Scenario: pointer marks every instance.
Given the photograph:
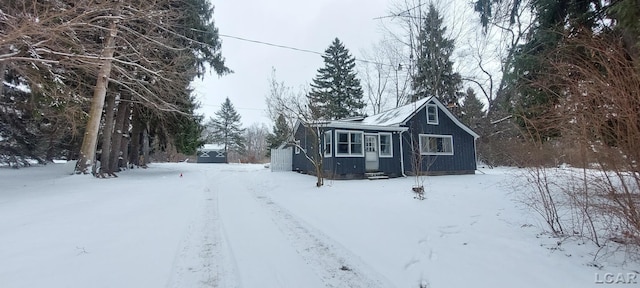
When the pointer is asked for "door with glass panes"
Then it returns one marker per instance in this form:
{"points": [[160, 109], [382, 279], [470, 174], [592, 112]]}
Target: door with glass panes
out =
{"points": [[371, 153]]}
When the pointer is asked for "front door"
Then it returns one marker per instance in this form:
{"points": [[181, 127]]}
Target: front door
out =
{"points": [[371, 153]]}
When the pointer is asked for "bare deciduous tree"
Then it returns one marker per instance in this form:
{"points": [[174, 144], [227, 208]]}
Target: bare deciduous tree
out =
{"points": [[593, 124], [256, 143]]}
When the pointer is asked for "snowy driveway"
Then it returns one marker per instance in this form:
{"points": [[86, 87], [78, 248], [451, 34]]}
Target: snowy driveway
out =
{"points": [[243, 226], [272, 248]]}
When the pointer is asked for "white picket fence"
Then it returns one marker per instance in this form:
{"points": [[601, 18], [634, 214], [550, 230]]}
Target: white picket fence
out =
{"points": [[281, 159]]}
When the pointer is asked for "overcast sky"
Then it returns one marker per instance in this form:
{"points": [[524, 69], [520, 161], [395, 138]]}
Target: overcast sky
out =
{"points": [[310, 25]]}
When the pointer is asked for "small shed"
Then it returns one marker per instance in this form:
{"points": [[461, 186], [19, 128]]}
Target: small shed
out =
{"points": [[211, 153]]}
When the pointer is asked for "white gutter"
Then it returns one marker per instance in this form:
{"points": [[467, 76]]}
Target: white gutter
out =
{"points": [[401, 154]]}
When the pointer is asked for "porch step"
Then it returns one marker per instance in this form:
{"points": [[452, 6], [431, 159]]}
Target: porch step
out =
{"points": [[375, 175]]}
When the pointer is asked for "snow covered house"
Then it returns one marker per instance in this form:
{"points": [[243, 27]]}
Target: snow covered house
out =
{"points": [[211, 153], [422, 137]]}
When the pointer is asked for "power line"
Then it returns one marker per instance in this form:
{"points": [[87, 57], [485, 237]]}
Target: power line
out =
{"points": [[403, 13], [269, 44], [239, 108], [294, 48]]}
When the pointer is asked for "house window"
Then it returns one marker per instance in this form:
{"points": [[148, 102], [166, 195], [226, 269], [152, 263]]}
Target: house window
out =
{"points": [[297, 146], [436, 144], [349, 143], [432, 113], [386, 150], [327, 144]]}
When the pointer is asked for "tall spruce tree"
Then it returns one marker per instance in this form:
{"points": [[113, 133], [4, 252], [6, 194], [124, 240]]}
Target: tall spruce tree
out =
{"points": [[336, 93], [225, 128], [281, 132], [472, 109], [434, 75]]}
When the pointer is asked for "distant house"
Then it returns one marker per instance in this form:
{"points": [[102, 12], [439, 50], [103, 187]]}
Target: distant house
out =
{"points": [[419, 138], [211, 153]]}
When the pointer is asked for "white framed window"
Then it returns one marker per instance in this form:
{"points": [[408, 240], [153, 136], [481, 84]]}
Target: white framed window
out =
{"points": [[349, 143], [432, 113], [386, 146], [436, 144], [297, 148], [327, 144]]}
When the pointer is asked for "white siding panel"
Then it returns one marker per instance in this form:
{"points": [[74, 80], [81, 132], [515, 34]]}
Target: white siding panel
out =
{"points": [[281, 159]]}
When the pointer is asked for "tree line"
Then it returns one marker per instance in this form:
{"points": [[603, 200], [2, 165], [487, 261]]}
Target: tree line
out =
{"points": [[81, 77]]}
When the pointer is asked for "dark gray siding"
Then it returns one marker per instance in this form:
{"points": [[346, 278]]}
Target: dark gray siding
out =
{"points": [[345, 167], [463, 159], [212, 156], [354, 167], [300, 162], [391, 166]]}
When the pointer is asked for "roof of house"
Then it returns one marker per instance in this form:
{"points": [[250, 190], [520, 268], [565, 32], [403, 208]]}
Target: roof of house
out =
{"points": [[400, 116], [206, 147], [391, 120], [396, 116]]}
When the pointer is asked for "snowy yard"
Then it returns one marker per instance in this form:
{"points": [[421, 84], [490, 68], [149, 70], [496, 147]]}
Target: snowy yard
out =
{"points": [[243, 226]]}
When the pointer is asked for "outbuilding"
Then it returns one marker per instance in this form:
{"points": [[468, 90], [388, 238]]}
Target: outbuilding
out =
{"points": [[211, 153]]}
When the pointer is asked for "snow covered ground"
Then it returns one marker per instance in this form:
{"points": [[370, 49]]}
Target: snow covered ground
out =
{"points": [[244, 226]]}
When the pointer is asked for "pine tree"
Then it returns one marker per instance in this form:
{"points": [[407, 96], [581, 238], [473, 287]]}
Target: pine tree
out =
{"points": [[435, 76], [336, 93], [281, 132], [472, 109], [225, 128]]}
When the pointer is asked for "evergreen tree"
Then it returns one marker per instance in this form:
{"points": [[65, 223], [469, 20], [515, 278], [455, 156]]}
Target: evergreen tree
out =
{"points": [[225, 128], [434, 75], [472, 109], [336, 93], [281, 132]]}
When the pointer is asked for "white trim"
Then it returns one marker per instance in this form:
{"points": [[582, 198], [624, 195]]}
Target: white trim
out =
{"points": [[390, 145], [401, 154], [327, 154], [204, 154], [357, 126], [297, 146], [420, 136], [349, 132], [435, 106]]}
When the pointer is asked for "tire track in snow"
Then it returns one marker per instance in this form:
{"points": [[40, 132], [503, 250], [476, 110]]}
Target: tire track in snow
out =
{"points": [[333, 263], [204, 258]]}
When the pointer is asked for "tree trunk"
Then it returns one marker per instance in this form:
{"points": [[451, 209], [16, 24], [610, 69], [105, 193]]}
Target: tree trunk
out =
{"points": [[119, 130], [51, 144], [124, 146], [145, 145], [134, 153], [88, 150], [3, 66], [107, 132]]}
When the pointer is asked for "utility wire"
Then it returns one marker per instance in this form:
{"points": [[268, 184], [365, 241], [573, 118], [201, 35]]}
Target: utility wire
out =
{"points": [[269, 44], [402, 13], [294, 48]]}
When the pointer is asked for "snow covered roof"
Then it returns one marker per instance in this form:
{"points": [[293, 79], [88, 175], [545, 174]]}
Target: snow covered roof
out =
{"points": [[400, 115], [395, 116], [391, 120], [351, 124], [212, 147]]}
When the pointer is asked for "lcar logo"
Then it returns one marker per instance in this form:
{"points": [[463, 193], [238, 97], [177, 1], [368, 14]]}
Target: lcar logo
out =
{"points": [[617, 278]]}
